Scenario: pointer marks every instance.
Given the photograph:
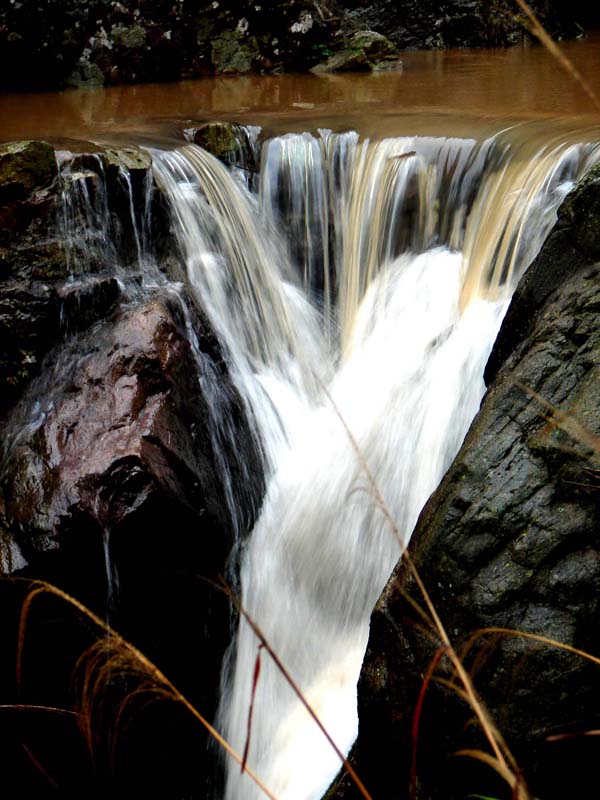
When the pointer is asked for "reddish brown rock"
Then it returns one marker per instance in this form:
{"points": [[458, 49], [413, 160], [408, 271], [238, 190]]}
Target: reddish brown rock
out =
{"points": [[133, 438]]}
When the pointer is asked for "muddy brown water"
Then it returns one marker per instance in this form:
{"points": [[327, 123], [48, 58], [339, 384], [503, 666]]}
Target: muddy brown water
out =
{"points": [[453, 92]]}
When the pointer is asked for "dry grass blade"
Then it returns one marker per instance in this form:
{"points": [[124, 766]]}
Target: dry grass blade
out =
{"points": [[495, 739], [33, 707], [486, 758], [41, 769], [255, 678], [453, 687], [560, 737], [297, 691], [124, 654], [25, 608], [538, 30], [510, 632], [417, 718], [565, 420]]}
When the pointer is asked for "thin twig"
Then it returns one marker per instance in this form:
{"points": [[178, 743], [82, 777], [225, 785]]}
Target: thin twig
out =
{"points": [[38, 765], [540, 32], [251, 708]]}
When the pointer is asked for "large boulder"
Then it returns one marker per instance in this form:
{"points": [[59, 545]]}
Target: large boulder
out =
{"points": [[509, 540], [129, 473]]}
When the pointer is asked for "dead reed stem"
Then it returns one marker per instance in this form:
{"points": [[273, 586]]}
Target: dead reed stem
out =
{"points": [[538, 30], [145, 665]]}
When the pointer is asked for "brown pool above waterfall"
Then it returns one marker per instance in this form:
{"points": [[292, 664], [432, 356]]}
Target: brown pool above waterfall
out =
{"points": [[453, 92]]}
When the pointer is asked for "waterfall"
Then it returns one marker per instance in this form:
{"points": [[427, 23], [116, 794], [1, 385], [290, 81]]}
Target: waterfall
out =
{"points": [[356, 288], [364, 282]]}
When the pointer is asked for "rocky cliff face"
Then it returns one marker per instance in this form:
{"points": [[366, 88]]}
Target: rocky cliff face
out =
{"points": [[98, 42], [128, 472], [509, 540]]}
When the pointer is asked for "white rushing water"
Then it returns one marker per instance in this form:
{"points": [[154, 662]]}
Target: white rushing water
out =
{"points": [[364, 282]]}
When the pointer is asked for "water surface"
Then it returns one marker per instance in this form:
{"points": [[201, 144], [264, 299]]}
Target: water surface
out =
{"points": [[451, 91]]}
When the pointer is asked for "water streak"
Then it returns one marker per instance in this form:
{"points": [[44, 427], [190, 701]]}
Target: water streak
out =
{"points": [[381, 271]]}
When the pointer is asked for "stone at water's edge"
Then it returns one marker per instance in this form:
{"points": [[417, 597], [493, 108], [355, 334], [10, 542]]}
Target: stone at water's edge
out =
{"points": [[100, 42], [119, 429], [227, 141], [510, 539], [366, 50]]}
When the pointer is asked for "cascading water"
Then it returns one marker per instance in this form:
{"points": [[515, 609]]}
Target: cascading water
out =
{"points": [[356, 288], [365, 282]]}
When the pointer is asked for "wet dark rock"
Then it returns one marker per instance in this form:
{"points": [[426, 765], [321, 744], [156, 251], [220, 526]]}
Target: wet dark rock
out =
{"points": [[510, 539], [38, 264], [128, 470], [227, 141], [28, 175], [85, 302], [24, 168], [119, 396], [119, 444]]}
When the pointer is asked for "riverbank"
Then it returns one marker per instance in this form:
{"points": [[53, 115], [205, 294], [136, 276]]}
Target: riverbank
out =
{"points": [[106, 42]]}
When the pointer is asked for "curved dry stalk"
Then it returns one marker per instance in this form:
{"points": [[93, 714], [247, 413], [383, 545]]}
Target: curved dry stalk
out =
{"points": [[486, 758], [132, 655], [25, 608], [40, 767], [35, 707], [255, 678], [560, 737], [565, 420], [538, 30], [510, 632], [495, 739]]}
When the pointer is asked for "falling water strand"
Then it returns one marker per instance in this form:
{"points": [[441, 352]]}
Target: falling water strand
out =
{"points": [[420, 242]]}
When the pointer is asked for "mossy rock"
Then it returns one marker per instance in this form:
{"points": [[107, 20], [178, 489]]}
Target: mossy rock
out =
{"points": [[232, 53], [24, 168], [132, 159], [365, 51], [86, 74], [222, 139], [130, 36]]}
